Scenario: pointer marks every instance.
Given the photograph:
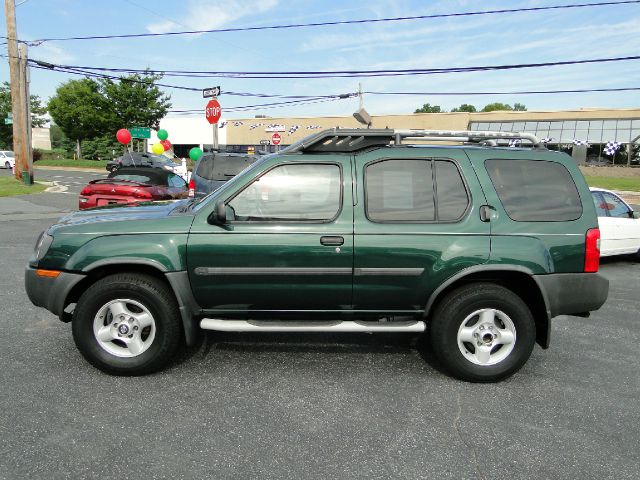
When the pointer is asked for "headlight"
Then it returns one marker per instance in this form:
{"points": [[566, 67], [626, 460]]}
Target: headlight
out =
{"points": [[42, 245]]}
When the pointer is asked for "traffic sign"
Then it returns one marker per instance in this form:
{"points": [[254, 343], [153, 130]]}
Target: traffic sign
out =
{"points": [[211, 92], [264, 142], [8, 121], [276, 139], [140, 132], [213, 111]]}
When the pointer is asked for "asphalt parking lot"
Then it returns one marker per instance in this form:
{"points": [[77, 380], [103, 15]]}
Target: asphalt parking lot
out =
{"points": [[324, 406]]}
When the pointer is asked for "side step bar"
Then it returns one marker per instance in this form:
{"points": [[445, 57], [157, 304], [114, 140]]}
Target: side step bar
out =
{"points": [[346, 326]]}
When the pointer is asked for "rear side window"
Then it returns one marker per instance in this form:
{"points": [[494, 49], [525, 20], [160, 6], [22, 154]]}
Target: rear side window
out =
{"points": [[615, 206], [403, 191], [535, 190], [205, 168], [451, 195], [221, 167], [133, 178]]}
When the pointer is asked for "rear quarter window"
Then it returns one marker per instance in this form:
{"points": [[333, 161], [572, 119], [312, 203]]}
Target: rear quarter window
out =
{"points": [[535, 190]]}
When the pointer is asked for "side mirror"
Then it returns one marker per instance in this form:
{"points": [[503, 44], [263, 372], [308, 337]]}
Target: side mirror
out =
{"points": [[219, 214], [634, 214]]}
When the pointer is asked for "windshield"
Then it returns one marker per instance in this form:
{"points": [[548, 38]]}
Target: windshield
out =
{"points": [[10, 154], [238, 178]]}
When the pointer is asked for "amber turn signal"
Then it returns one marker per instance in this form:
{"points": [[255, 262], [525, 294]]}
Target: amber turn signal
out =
{"points": [[47, 273]]}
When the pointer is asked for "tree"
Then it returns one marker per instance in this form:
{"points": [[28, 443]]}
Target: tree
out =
{"points": [[80, 110], [135, 101], [428, 108], [94, 110], [492, 107], [6, 131], [465, 107]]}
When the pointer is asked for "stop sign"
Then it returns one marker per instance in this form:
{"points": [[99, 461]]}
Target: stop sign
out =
{"points": [[213, 111], [275, 139]]}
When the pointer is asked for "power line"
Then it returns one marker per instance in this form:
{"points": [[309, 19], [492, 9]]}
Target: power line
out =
{"points": [[350, 73], [270, 105], [521, 92], [74, 71], [336, 23]]}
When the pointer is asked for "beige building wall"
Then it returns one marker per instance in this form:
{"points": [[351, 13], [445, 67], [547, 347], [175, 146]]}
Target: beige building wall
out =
{"points": [[251, 131]]}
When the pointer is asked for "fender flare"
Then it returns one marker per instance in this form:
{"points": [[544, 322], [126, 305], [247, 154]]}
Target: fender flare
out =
{"points": [[543, 330]]}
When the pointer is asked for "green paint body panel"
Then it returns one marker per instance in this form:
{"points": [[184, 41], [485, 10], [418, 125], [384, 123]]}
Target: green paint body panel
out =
{"points": [[145, 232], [267, 245], [544, 247], [246, 268], [440, 249]]}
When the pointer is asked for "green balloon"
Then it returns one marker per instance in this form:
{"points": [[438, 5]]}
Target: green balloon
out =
{"points": [[195, 153], [163, 134]]}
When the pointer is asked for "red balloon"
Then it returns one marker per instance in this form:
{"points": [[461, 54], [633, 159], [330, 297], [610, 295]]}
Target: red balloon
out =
{"points": [[123, 136], [166, 144]]}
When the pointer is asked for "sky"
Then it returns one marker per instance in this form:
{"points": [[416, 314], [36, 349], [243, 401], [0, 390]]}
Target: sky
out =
{"points": [[531, 37]]}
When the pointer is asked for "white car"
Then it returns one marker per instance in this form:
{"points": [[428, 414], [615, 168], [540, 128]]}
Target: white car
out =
{"points": [[619, 224], [7, 159]]}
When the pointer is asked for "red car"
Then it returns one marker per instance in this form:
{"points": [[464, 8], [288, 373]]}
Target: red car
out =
{"points": [[130, 185]]}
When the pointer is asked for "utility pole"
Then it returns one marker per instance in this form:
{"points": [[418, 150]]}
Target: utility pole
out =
{"points": [[18, 76]]}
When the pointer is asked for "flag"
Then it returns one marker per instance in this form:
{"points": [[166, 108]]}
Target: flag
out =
{"points": [[611, 148]]}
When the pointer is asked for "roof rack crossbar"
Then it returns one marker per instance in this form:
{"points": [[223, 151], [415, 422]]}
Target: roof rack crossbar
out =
{"points": [[351, 140]]}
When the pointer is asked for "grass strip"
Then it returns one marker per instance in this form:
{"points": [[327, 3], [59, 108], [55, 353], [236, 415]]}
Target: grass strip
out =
{"points": [[9, 187]]}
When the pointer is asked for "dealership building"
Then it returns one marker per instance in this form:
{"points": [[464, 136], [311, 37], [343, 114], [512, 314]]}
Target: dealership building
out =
{"points": [[583, 133]]}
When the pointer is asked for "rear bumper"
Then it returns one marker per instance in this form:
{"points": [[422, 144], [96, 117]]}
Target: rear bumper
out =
{"points": [[50, 293], [573, 293]]}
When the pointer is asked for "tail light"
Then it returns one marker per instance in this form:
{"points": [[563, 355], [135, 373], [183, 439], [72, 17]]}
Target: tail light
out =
{"points": [[192, 188], [142, 194], [86, 190], [592, 250]]}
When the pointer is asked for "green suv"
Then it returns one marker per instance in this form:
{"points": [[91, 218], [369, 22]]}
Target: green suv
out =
{"points": [[474, 244]]}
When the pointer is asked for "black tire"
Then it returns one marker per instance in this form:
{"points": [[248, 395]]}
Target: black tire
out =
{"points": [[114, 168], [7, 165], [449, 316], [152, 294]]}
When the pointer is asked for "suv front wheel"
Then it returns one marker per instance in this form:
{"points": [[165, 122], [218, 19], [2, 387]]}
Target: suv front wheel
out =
{"points": [[127, 324], [482, 332]]}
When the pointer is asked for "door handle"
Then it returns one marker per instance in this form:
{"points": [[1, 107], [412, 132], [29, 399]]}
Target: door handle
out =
{"points": [[332, 241], [487, 212]]}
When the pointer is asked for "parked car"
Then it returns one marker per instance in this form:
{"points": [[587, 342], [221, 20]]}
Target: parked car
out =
{"points": [[619, 224], [131, 185], [214, 170], [476, 247], [7, 159], [137, 159]]}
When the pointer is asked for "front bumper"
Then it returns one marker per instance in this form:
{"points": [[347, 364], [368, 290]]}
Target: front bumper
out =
{"points": [[573, 293], [50, 293]]}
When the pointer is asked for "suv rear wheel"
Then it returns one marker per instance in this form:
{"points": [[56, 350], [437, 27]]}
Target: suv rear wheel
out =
{"points": [[482, 332], [127, 324]]}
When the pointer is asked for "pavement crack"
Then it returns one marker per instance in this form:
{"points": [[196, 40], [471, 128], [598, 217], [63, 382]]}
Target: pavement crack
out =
{"points": [[456, 426]]}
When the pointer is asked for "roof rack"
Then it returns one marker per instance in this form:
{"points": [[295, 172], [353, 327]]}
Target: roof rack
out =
{"points": [[354, 139]]}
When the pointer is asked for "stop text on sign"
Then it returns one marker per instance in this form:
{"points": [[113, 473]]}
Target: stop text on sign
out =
{"points": [[213, 111]]}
